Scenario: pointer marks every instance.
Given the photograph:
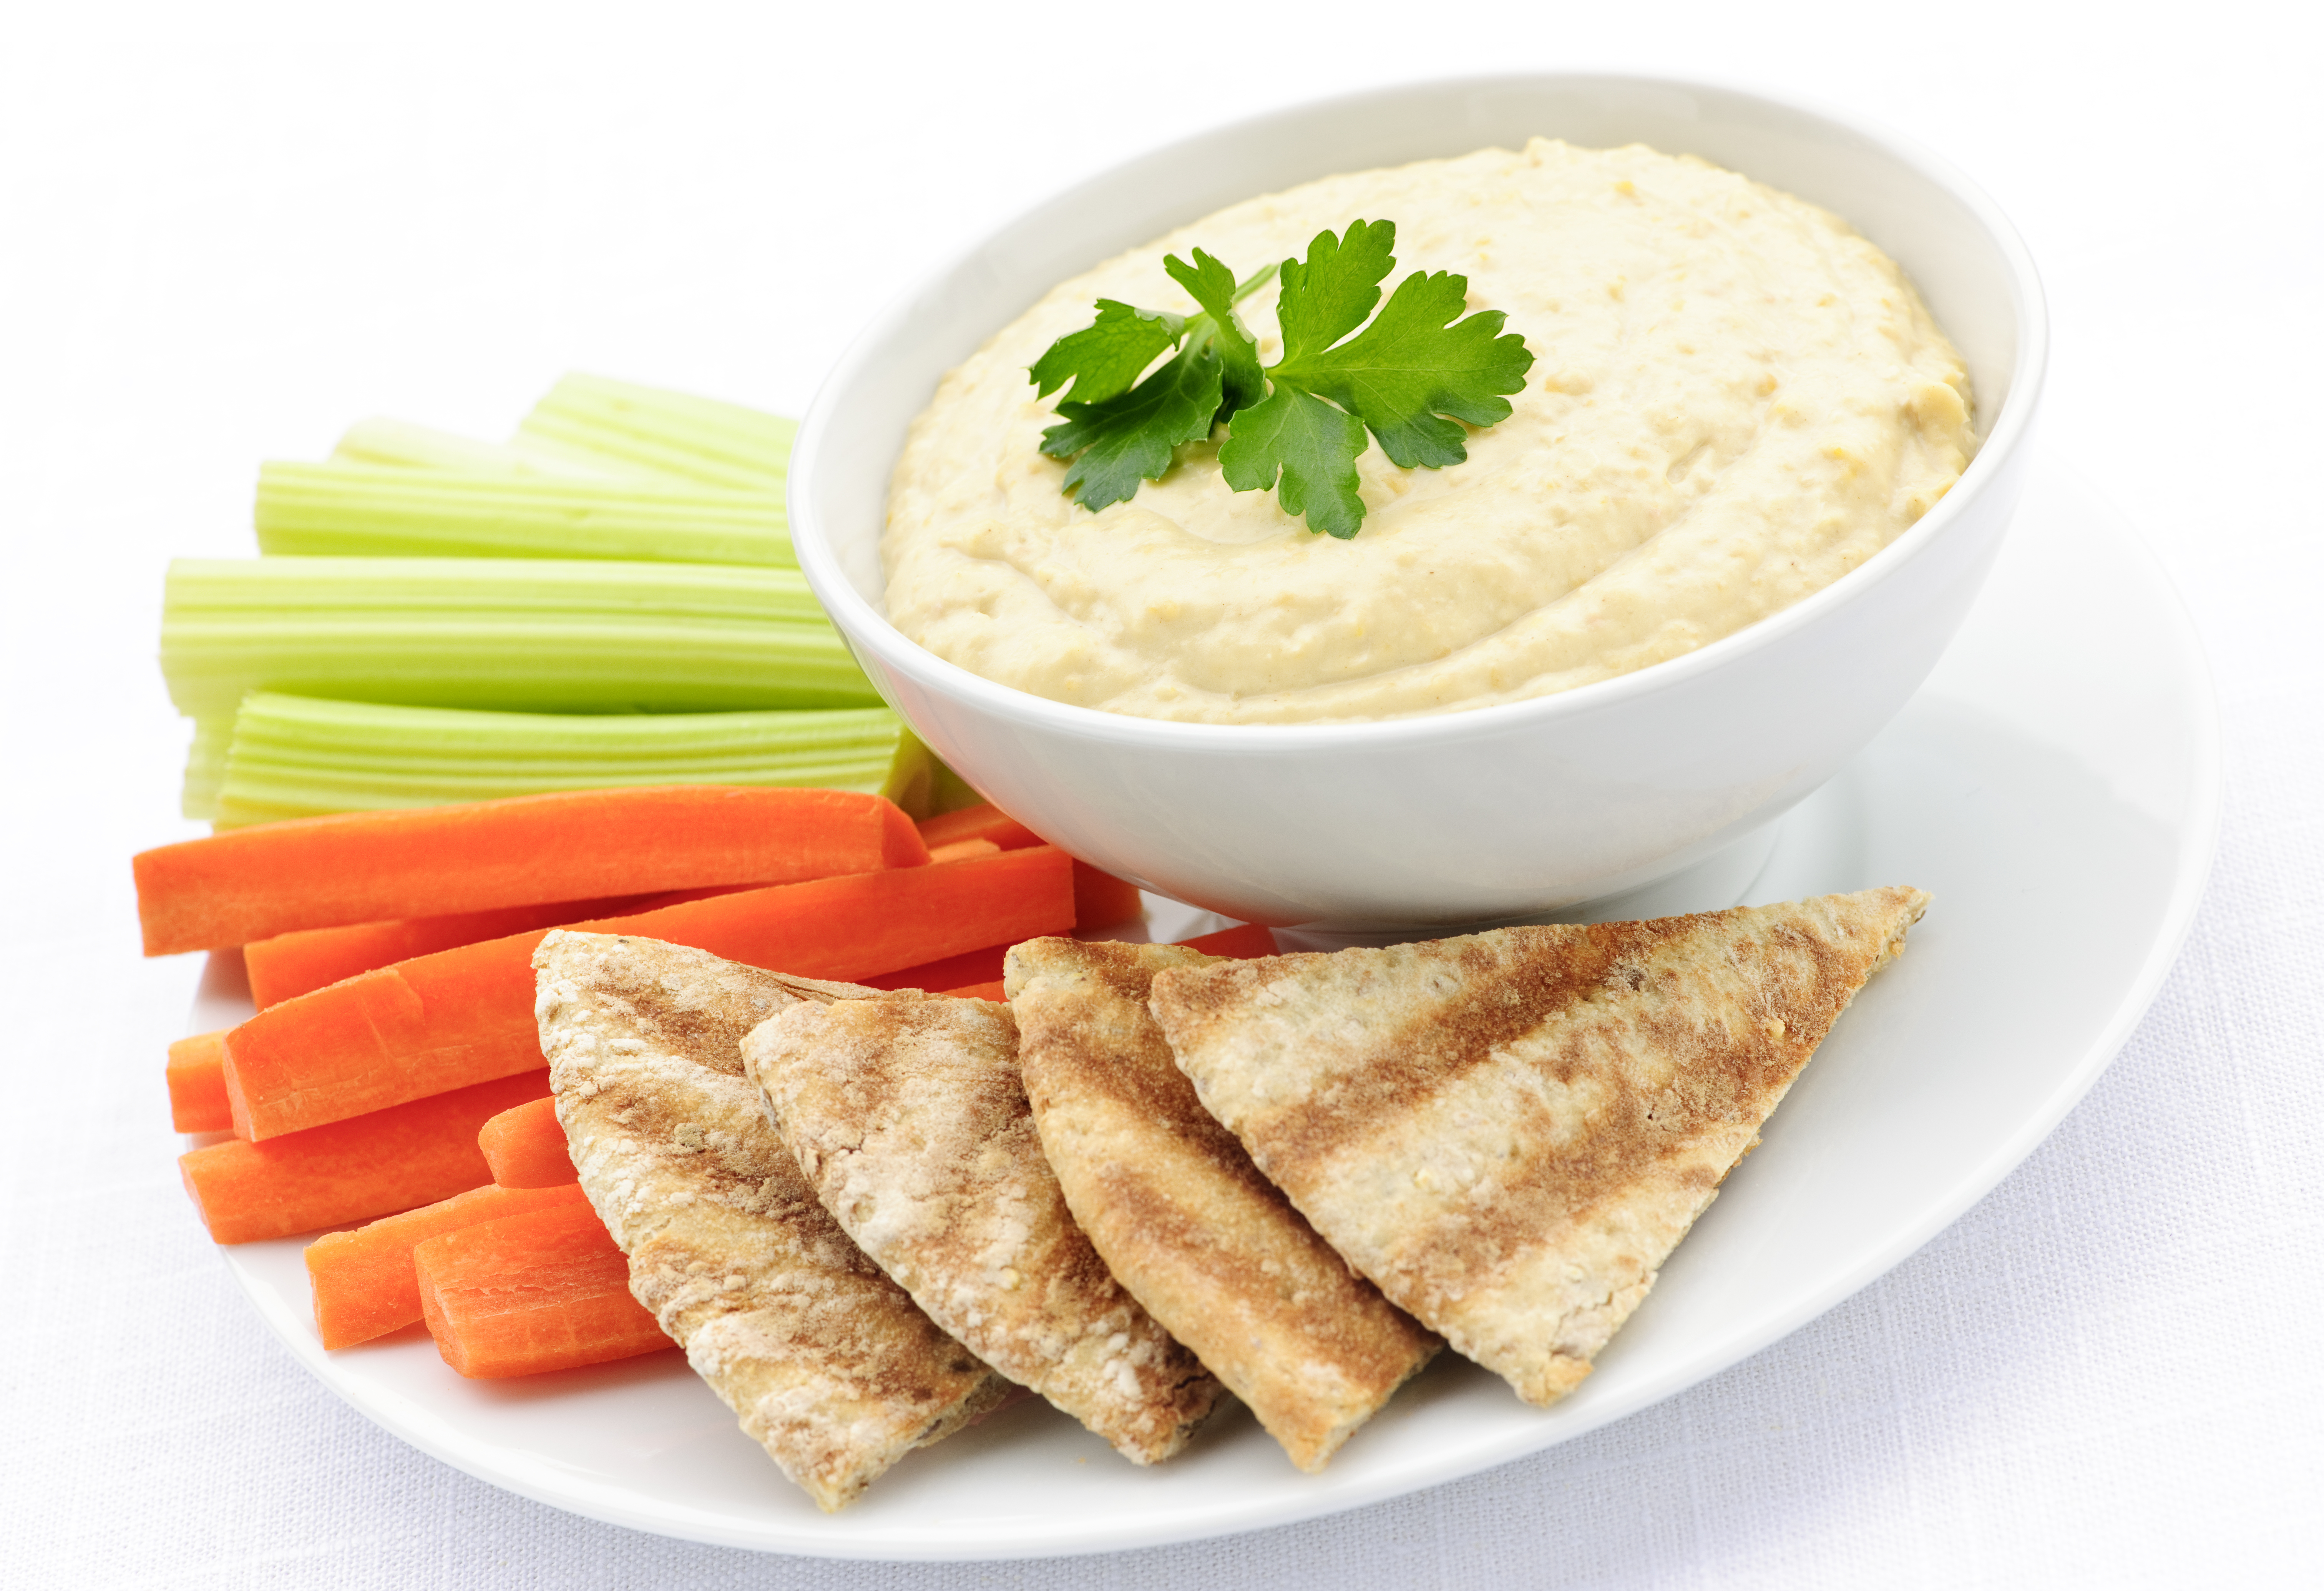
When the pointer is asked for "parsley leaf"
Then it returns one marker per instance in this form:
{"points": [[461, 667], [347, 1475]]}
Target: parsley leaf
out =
{"points": [[1212, 286], [1116, 434], [1313, 444], [1103, 359], [1412, 365], [1328, 297], [1298, 426], [1132, 436]]}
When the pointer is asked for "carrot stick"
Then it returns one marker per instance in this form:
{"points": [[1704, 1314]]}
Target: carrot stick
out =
{"points": [[364, 1281], [307, 959], [954, 850], [1101, 900], [273, 878], [849, 929], [196, 1072], [350, 1170], [460, 1016], [545, 1291], [995, 990], [294, 964], [526, 1147], [981, 822], [971, 966], [1241, 942]]}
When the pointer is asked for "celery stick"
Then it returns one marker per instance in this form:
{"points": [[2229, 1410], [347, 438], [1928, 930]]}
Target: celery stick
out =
{"points": [[406, 446], [372, 510], [947, 791], [298, 756], [205, 765], [589, 418], [518, 635]]}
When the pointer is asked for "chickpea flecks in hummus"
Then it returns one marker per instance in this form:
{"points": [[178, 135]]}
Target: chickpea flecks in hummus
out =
{"points": [[1735, 400]]}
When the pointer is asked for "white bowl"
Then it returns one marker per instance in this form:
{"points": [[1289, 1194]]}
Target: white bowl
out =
{"points": [[1498, 813]]}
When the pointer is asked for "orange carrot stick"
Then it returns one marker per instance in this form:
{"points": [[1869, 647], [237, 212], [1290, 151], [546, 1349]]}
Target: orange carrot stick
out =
{"points": [[273, 878], [196, 1073], [953, 851], [307, 959], [364, 1281], [1241, 942], [981, 822], [849, 929], [547, 1291], [299, 963], [526, 1147], [460, 1016], [971, 966], [1101, 900], [350, 1170]]}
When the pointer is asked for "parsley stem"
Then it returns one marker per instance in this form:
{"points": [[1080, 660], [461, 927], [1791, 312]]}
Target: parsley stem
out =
{"points": [[1252, 284]]}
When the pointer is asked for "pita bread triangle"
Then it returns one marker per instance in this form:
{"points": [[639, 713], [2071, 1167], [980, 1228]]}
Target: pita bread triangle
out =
{"points": [[828, 1363], [1509, 1132], [907, 1113], [1178, 1211]]}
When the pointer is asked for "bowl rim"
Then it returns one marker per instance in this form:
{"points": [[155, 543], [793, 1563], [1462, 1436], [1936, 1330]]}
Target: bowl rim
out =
{"points": [[862, 625]]}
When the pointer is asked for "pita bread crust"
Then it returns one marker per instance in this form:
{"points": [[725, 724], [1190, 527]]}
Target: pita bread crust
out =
{"points": [[828, 1363], [1178, 1211], [1509, 1132], [908, 1115]]}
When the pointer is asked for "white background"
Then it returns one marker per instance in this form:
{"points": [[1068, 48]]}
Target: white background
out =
{"points": [[226, 231]]}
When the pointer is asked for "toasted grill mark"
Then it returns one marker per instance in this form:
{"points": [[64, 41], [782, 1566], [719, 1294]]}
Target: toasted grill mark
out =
{"points": [[1110, 1019], [1520, 1183], [1635, 1133], [1485, 996], [1348, 1339], [908, 1115], [1185, 1220], [826, 1361]]}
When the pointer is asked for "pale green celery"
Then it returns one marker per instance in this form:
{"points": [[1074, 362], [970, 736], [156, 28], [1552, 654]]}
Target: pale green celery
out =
{"points": [[205, 766], [295, 756], [515, 634], [407, 446], [374, 510], [588, 418], [949, 791]]}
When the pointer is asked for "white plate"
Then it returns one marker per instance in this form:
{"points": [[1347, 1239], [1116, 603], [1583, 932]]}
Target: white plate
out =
{"points": [[2055, 785]]}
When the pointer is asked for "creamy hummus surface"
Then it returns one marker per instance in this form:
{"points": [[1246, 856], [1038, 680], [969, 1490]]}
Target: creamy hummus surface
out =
{"points": [[1734, 401]]}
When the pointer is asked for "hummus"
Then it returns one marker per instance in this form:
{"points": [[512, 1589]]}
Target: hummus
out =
{"points": [[1735, 399]]}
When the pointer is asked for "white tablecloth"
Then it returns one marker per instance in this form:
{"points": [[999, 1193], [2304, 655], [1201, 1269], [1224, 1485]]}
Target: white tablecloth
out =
{"points": [[223, 236]]}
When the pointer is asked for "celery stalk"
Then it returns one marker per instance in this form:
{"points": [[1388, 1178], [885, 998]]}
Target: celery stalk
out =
{"points": [[205, 765], [296, 756], [948, 792], [406, 446], [590, 419], [517, 634], [374, 510]]}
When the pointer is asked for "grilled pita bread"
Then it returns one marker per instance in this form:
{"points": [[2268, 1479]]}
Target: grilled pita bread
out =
{"points": [[830, 1365], [1509, 1132], [1180, 1214], [908, 1115]]}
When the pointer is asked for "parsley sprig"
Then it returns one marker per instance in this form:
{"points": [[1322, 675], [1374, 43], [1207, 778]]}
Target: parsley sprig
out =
{"points": [[1297, 426]]}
